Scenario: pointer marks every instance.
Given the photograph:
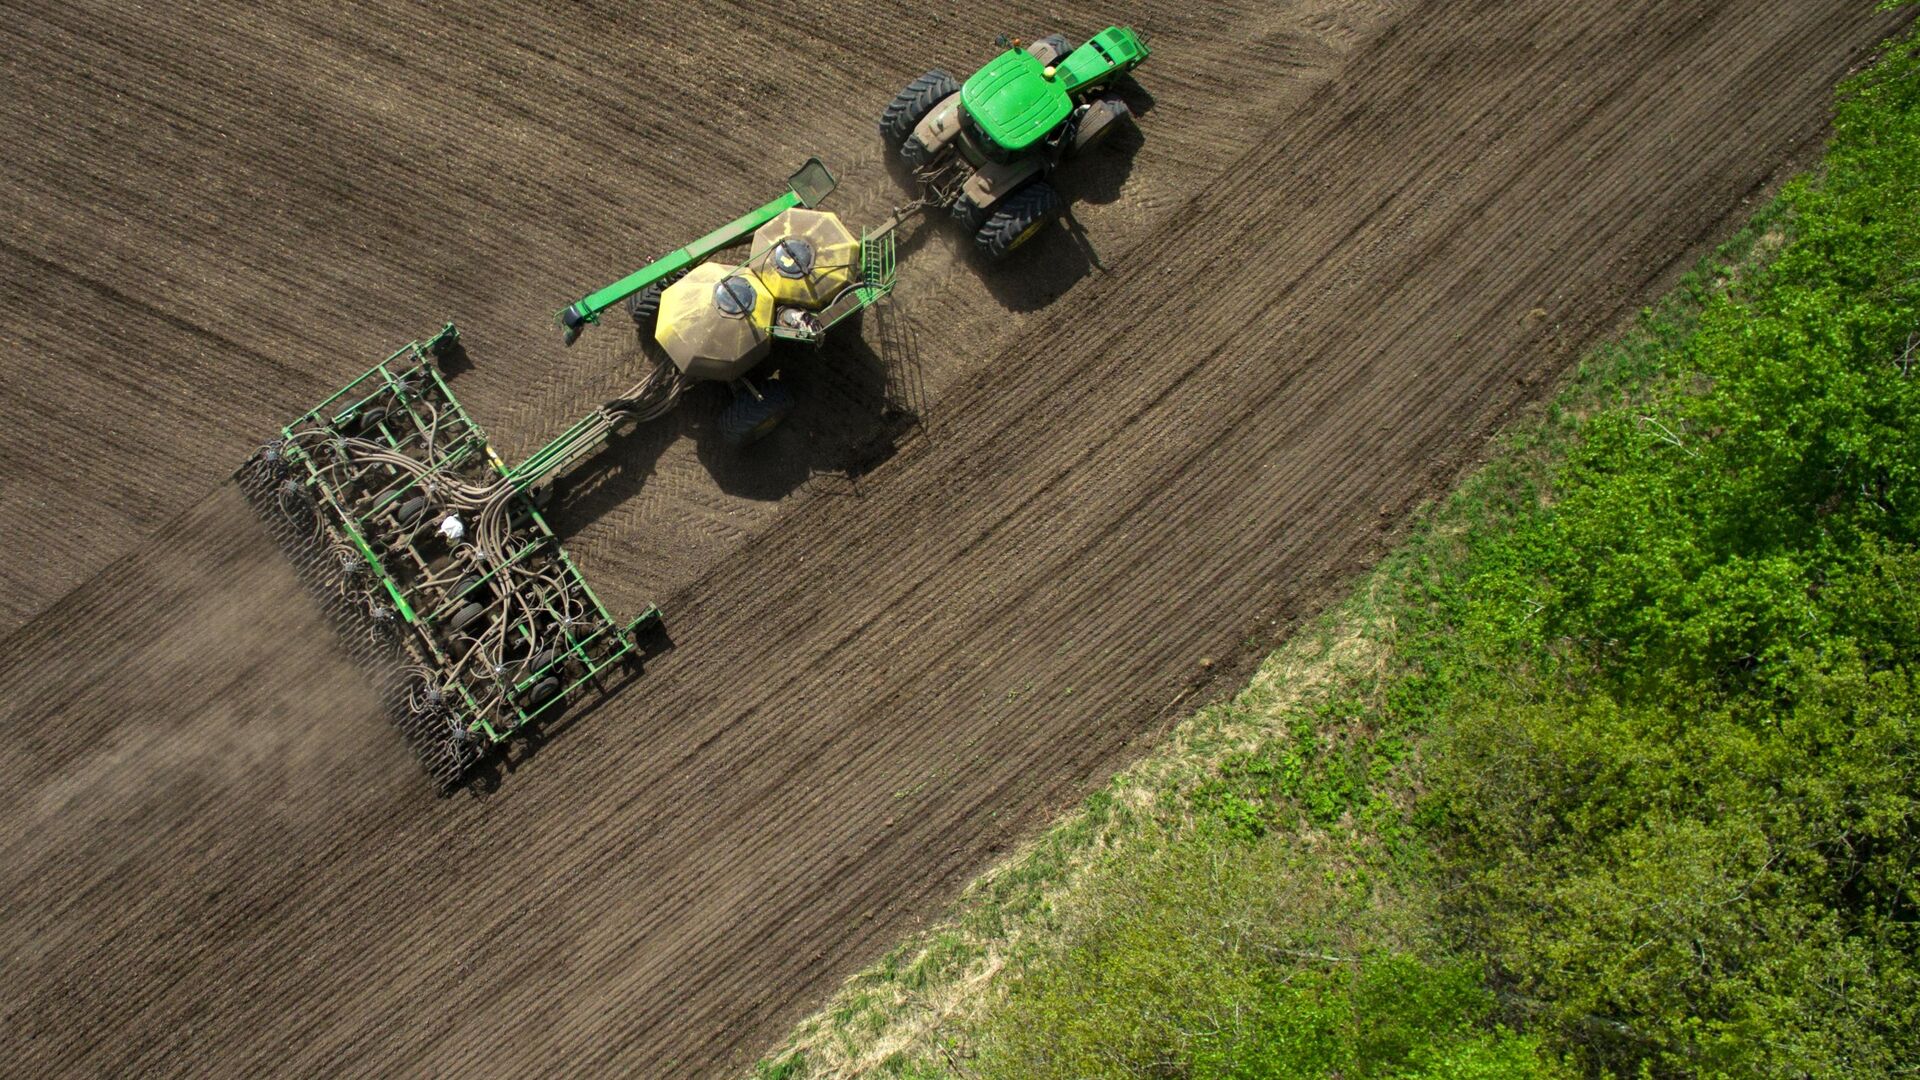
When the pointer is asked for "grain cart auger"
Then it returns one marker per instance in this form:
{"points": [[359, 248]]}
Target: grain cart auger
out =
{"points": [[804, 273], [985, 149]]}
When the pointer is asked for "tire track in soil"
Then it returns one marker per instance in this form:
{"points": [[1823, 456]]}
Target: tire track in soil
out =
{"points": [[828, 753]]}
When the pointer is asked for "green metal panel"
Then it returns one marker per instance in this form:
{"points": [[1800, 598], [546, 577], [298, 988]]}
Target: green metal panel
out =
{"points": [[1012, 101], [1110, 52]]}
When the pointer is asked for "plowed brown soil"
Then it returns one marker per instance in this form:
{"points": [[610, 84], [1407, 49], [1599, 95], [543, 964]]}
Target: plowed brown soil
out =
{"points": [[1317, 299], [220, 212]]}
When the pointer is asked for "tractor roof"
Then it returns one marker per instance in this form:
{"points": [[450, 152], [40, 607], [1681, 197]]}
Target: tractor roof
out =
{"points": [[1013, 101]]}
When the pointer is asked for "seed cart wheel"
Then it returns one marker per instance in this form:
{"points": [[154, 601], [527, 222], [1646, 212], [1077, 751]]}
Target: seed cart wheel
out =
{"points": [[644, 305], [911, 105], [1019, 219], [750, 419], [1050, 49], [466, 616]]}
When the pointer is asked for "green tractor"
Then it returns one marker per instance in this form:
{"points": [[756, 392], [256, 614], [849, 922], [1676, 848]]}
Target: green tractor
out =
{"points": [[984, 149]]}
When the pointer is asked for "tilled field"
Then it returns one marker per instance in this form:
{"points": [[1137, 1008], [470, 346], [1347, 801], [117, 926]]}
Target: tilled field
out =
{"points": [[219, 215], [1321, 287]]}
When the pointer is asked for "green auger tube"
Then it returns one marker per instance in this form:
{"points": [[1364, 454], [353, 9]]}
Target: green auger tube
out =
{"points": [[807, 187]]}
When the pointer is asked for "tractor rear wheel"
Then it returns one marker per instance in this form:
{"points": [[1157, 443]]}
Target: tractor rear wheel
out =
{"points": [[915, 153], [971, 215], [1019, 219], [911, 105], [752, 417]]}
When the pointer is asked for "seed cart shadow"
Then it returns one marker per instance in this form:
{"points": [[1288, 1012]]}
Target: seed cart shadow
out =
{"points": [[851, 408]]}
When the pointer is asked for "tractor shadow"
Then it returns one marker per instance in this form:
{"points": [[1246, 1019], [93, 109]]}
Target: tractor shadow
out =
{"points": [[1101, 175], [1059, 258], [1043, 269]]}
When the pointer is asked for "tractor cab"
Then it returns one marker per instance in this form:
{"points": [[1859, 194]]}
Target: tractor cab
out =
{"points": [[1014, 102], [1115, 49]]}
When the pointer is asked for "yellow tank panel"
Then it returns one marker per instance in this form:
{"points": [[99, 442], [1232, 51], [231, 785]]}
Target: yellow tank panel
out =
{"points": [[806, 257], [715, 322]]}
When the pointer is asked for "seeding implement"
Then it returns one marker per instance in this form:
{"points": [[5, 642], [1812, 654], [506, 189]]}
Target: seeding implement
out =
{"points": [[432, 552], [488, 624]]}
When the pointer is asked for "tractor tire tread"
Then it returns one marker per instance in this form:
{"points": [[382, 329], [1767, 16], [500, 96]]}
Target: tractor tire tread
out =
{"points": [[1018, 218], [911, 105]]}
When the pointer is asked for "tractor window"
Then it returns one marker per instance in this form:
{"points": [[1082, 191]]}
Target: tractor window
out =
{"points": [[992, 150]]}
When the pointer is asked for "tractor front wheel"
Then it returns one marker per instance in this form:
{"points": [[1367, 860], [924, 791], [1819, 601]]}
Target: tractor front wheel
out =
{"points": [[1051, 49], [753, 416], [911, 105], [1019, 219]]}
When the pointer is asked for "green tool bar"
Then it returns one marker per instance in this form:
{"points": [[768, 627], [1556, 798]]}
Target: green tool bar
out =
{"points": [[588, 308], [804, 188], [557, 454]]}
